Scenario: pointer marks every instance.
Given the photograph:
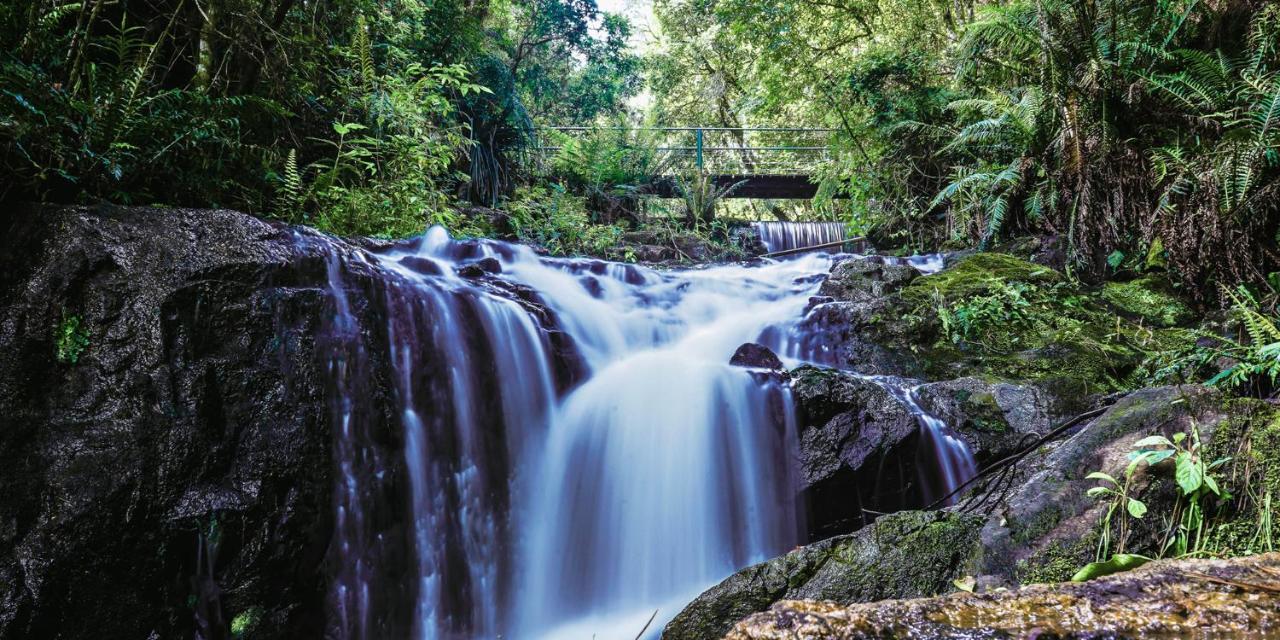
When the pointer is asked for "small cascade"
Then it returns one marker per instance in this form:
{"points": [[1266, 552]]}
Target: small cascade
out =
{"points": [[948, 462], [784, 236]]}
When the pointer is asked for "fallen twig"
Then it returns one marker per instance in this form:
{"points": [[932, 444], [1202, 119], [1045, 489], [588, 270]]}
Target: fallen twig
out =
{"points": [[1013, 459]]}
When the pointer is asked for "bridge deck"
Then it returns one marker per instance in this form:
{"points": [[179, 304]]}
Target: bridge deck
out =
{"points": [[771, 186]]}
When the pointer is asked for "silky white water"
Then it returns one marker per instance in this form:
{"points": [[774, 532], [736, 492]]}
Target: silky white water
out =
{"points": [[579, 513]]}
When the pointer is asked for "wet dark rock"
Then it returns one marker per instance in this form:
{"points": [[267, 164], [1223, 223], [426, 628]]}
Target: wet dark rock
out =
{"points": [[862, 280], [858, 450], [178, 471], [755, 355], [421, 265], [993, 418], [194, 408], [859, 336], [901, 555], [1166, 599], [480, 268]]}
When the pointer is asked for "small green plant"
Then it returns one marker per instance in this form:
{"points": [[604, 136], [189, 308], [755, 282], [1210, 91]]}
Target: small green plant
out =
{"points": [[70, 340], [245, 621], [1188, 531], [974, 319], [558, 221], [1240, 364]]}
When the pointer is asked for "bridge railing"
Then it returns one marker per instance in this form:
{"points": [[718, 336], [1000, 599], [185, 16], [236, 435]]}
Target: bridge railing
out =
{"points": [[717, 150]]}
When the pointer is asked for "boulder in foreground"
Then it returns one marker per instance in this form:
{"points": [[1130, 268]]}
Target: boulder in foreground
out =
{"points": [[1176, 599]]}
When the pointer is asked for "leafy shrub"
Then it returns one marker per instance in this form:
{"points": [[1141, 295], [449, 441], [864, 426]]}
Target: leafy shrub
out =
{"points": [[556, 220], [70, 340]]}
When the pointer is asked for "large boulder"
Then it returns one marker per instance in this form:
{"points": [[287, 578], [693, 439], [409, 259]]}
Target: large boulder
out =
{"points": [[1047, 526], [993, 418], [1166, 599], [868, 337], [1036, 524], [179, 391], [902, 555]]}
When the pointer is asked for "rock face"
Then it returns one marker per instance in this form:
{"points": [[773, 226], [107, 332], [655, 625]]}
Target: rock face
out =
{"points": [[188, 422], [171, 390], [863, 280], [993, 418], [858, 450], [1168, 599], [756, 356]]}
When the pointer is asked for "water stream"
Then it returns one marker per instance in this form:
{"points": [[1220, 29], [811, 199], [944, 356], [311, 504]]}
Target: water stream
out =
{"points": [[572, 449]]}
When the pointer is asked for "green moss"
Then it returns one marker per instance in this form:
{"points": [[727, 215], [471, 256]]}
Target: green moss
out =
{"points": [[1250, 438], [70, 339], [245, 621], [999, 316], [983, 412], [920, 552], [1150, 299], [979, 274], [1056, 562]]}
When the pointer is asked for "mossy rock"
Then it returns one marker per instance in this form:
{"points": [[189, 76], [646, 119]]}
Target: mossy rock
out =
{"points": [[907, 554], [1150, 299], [1057, 562], [1004, 317], [978, 274], [1250, 438]]}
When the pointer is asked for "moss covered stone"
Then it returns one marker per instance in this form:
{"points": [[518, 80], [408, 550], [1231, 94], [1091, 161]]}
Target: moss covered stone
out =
{"points": [[1057, 562], [1150, 299], [1002, 317], [906, 554], [978, 274], [1250, 438]]}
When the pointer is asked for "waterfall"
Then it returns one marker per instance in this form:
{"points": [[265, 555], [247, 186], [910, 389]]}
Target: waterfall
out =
{"points": [[781, 236], [530, 447]]}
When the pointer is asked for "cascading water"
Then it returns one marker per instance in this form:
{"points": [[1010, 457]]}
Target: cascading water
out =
{"points": [[783, 236], [570, 445]]}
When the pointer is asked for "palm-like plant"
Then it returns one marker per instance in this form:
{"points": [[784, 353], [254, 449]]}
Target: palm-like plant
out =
{"points": [[701, 196], [1000, 142]]}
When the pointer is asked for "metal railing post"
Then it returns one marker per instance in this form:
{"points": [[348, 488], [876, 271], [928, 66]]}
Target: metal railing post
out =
{"points": [[697, 135]]}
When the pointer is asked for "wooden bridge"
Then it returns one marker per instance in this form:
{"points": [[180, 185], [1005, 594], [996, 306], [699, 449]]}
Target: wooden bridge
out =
{"points": [[763, 162]]}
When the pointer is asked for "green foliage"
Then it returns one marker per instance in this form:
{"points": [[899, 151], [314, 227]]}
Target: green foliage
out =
{"points": [[244, 622], [553, 219], [1120, 125], [1150, 299], [1250, 362], [700, 196], [70, 340], [363, 118], [1188, 524]]}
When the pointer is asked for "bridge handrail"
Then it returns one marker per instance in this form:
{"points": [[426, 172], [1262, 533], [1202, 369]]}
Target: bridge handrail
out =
{"points": [[718, 145]]}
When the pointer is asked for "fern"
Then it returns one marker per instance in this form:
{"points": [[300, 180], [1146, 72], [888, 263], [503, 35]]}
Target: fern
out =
{"points": [[289, 200]]}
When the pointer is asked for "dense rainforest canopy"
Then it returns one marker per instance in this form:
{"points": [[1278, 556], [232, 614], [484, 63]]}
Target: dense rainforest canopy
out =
{"points": [[1138, 132]]}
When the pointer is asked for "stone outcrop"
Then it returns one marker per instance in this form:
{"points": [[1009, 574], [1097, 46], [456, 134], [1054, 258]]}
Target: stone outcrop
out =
{"points": [[169, 419], [1167, 599], [901, 555]]}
